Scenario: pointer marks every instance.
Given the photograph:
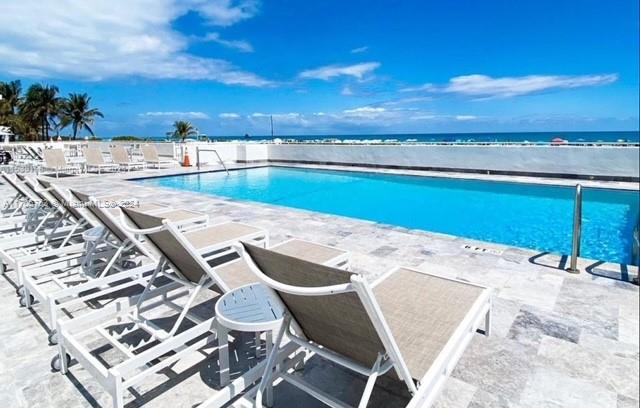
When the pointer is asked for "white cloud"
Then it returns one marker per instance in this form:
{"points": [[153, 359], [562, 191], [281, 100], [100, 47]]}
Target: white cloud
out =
{"points": [[483, 86], [279, 119], [367, 112], [113, 38], [419, 88], [360, 50], [177, 115], [239, 45], [360, 118], [229, 115], [346, 91], [423, 117], [403, 101], [328, 72], [226, 12]]}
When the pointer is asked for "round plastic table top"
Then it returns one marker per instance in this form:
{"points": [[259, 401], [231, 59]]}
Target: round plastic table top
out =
{"points": [[250, 308]]}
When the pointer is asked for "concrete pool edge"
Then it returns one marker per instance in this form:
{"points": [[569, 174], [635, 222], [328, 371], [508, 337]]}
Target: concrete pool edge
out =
{"points": [[567, 176], [585, 263], [523, 179]]}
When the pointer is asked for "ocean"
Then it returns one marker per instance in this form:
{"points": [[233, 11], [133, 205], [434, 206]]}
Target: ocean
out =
{"points": [[544, 137]]}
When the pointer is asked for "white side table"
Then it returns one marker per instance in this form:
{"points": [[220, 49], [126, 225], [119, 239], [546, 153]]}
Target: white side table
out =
{"points": [[250, 308]]}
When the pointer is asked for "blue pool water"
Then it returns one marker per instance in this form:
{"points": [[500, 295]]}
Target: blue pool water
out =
{"points": [[523, 215]]}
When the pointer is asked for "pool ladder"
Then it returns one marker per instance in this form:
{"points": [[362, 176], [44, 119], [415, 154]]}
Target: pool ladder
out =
{"points": [[198, 150], [577, 231]]}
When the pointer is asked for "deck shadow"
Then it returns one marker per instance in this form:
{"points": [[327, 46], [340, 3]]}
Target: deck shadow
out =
{"points": [[621, 272]]}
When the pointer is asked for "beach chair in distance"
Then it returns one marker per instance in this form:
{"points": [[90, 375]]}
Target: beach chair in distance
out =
{"points": [[55, 161], [413, 323], [120, 157], [34, 153], [152, 159], [95, 161]]}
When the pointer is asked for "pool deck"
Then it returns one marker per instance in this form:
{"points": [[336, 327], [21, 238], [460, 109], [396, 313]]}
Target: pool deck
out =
{"points": [[559, 340]]}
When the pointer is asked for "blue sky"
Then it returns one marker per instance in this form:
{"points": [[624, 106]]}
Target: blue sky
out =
{"points": [[333, 67]]}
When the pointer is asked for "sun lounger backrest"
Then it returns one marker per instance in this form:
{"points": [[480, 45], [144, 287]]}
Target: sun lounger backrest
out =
{"points": [[63, 201], [100, 214], [21, 188], [181, 258], [338, 322], [36, 153], [119, 155], [54, 159], [109, 221], [93, 156], [51, 159], [32, 189], [150, 153], [29, 152]]}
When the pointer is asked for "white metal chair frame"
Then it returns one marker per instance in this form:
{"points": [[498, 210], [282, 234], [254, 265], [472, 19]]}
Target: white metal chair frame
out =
{"points": [[423, 393], [107, 248], [63, 166], [22, 212], [13, 209], [152, 158], [99, 164], [45, 206], [48, 247], [126, 165], [139, 365]]}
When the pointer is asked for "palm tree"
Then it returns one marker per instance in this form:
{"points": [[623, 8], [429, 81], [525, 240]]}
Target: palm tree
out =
{"points": [[75, 111], [41, 105], [11, 97], [182, 130]]}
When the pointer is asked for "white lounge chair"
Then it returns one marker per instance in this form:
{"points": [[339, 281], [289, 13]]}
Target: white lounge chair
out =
{"points": [[55, 161], [185, 258], [99, 272], [415, 324], [152, 159], [120, 157], [95, 161], [20, 211], [58, 236], [184, 261]]}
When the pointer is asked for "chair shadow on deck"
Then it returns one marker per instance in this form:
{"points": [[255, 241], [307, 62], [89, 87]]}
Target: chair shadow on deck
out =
{"points": [[618, 272]]}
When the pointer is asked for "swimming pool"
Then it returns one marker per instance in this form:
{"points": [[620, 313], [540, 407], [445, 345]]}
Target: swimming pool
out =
{"points": [[525, 215]]}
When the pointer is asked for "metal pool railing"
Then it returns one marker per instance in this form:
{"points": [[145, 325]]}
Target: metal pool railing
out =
{"points": [[577, 231], [198, 150]]}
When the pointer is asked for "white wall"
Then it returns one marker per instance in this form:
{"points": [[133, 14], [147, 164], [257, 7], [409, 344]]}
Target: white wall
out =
{"points": [[603, 161], [227, 152], [569, 160], [252, 152]]}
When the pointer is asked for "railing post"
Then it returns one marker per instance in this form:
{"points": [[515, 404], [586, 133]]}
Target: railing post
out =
{"points": [[577, 231], [198, 157]]}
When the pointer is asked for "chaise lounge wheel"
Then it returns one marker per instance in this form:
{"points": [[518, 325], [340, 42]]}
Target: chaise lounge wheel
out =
{"points": [[53, 337], [20, 291], [23, 300], [56, 363]]}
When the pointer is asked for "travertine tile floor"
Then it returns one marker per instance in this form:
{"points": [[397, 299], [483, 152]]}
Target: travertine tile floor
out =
{"points": [[559, 340]]}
